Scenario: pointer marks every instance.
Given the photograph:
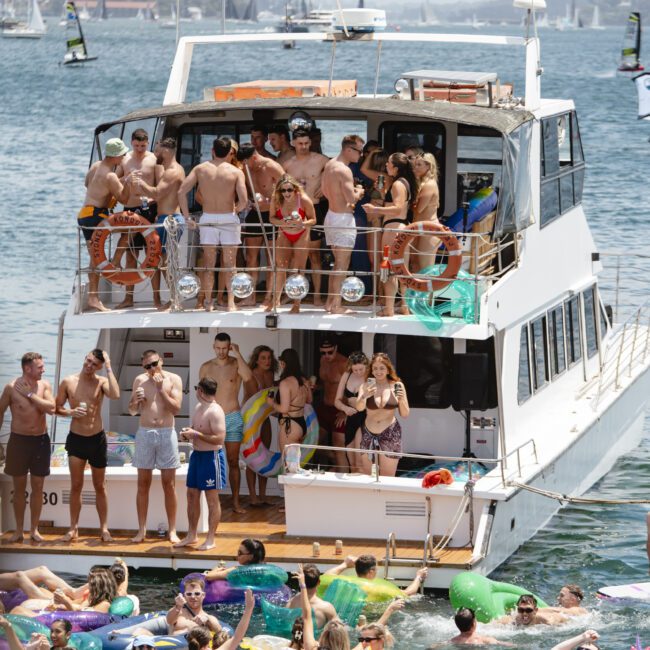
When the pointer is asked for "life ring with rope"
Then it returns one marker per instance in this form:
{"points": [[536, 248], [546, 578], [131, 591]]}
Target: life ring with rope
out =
{"points": [[405, 237], [121, 222]]}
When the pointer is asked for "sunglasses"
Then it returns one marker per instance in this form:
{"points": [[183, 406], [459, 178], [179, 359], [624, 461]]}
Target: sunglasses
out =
{"points": [[326, 353], [287, 190], [357, 150], [525, 610], [196, 594], [153, 364], [368, 639]]}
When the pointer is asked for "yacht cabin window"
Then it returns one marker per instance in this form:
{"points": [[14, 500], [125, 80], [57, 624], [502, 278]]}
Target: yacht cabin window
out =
{"points": [[591, 334], [524, 388], [123, 130], [562, 166], [573, 331], [540, 349], [556, 340]]}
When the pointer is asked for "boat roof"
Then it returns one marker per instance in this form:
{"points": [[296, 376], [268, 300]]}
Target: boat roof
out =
{"points": [[502, 120]]}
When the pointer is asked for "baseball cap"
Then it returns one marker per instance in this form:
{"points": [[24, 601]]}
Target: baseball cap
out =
{"points": [[115, 147], [141, 640]]}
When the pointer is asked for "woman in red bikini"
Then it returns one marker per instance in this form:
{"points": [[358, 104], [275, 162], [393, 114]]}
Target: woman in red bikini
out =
{"points": [[293, 212]]}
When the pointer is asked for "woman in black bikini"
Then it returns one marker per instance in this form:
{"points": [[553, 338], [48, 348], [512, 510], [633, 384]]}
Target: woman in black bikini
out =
{"points": [[346, 399], [379, 396], [396, 213], [293, 392]]}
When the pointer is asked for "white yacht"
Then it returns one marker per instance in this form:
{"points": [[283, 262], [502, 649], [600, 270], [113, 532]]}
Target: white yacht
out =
{"points": [[34, 28], [518, 380]]}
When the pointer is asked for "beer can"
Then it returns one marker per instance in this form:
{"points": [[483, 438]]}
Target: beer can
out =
{"points": [[315, 549], [338, 547]]}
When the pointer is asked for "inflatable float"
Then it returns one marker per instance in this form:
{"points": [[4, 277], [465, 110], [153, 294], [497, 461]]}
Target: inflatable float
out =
{"points": [[11, 599], [376, 591], [487, 598], [81, 621], [264, 642], [256, 454], [25, 626], [634, 591], [223, 591], [481, 203]]}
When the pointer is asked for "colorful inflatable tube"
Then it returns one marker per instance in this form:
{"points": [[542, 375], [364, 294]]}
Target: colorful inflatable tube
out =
{"points": [[222, 591], [266, 576], [377, 590], [257, 456], [481, 203], [25, 626], [81, 621], [11, 599], [489, 599]]}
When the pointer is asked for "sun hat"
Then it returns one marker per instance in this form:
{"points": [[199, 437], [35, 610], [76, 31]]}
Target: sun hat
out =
{"points": [[115, 147]]}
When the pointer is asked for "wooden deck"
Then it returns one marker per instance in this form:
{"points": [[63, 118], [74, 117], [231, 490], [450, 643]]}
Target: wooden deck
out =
{"points": [[266, 524]]}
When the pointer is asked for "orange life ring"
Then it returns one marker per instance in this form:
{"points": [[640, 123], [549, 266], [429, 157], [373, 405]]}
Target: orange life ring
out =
{"points": [[120, 222], [404, 238]]}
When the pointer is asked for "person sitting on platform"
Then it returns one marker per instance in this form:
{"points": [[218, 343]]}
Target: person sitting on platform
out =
{"points": [[366, 567], [323, 611], [250, 551], [187, 612]]}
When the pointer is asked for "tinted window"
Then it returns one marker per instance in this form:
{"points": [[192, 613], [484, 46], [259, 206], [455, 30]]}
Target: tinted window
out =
{"points": [[556, 333], [572, 311], [540, 367], [550, 201], [550, 152], [523, 385], [590, 322]]}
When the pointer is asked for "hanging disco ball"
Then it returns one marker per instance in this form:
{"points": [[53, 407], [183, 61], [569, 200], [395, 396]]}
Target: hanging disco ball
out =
{"points": [[242, 285], [296, 286], [188, 286], [300, 120], [352, 289]]}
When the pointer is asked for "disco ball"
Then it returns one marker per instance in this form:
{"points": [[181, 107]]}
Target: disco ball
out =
{"points": [[188, 286], [296, 286], [242, 285], [301, 120], [352, 289]]}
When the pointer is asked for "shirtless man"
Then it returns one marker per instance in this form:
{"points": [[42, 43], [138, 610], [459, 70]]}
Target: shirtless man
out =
{"points": [[259, 138], [340, 227], [229, 372], [223, 192], [323, 611], [467, 626], [141, 165], [165, 195], [188, 612], [528, 614], [332, 368], [29, 398], [102, 188], [279, 141], [157, 396], [265, 173], [307, 168], [207, 470], [86, 443], [570, 601]]}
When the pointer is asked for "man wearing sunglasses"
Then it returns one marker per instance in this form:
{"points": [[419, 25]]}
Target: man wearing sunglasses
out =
{"points": [[156, 397], [340, 227], [528, 614], [86, 443], [187, 612]]}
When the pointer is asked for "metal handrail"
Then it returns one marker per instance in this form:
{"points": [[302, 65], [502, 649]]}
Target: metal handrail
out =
{"points": [[391, 546]]}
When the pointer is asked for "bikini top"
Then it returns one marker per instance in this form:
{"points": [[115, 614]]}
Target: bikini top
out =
{"points": [[371, 403], [299, 210], [389, 199], [346, 391]]}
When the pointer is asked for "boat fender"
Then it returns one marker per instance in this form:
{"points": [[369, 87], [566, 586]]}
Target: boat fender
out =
{"points": [[119, 222], [488, 598], [398, 261]]}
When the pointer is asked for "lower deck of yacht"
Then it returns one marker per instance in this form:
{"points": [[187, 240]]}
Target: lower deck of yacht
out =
{"points": [[264, 523]]}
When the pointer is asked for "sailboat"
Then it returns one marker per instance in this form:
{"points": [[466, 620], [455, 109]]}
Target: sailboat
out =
{"points": [[100, 11], [83, 13], [76, 52], [631, 51], [427, 17], [35, 27], [595, 18], [642, 83]]}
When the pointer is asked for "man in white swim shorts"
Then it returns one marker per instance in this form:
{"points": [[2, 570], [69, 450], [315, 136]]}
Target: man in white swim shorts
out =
{"points": [[223, 193], [157, 396], [337, 185]]}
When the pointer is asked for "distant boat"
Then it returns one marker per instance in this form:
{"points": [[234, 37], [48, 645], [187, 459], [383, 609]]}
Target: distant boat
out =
{"points": [[595, 19], [76, 50], [100, 11], [35, 27], [427, 17], [543, 21], [642, 83], [631, 51], [83, 13]]}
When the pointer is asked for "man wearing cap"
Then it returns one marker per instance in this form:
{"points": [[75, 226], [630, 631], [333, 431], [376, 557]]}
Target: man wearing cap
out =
{"points": [[103, 189], [331, 368]]}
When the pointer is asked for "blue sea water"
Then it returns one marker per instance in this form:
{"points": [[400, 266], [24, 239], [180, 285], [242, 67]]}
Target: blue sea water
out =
{"points": [[47, 116]]}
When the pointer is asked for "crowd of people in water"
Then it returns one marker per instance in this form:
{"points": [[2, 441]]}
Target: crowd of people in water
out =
{"points": [[299, 206], [43, 591], [359, 400]]}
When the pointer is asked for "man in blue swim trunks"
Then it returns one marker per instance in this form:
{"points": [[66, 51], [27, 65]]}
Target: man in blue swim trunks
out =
{"points": [[229, 370], [207, 470]]}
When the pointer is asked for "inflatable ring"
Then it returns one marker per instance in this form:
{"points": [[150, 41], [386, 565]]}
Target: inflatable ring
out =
{"points": [[221, 591], [11, 599], [81, 621], [377, 590], [258, 575], [257, 456], [120, 222], [404, 238], [489, 599]]}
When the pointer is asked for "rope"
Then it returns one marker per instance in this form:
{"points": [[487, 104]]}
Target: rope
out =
{"points": [[173, 270], [469, 493], [455, 522], [565, 498]]}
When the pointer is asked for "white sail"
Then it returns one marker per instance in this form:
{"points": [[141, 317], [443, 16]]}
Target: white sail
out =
{"points": [[36, 23], [642, 83], [595, 18]]}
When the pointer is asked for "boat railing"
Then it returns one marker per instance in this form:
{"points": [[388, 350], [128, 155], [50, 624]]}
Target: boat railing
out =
{"points": [[623, 281], [627, 347], [485, 260]]}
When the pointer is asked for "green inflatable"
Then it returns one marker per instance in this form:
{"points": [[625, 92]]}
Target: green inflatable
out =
{"points": [[489, 599], [121, 606], [377, 590]]}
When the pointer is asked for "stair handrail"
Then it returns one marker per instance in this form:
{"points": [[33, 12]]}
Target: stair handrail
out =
{"points": [[391, 544]]}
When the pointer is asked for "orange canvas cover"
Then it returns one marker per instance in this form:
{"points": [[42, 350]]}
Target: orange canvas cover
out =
{"points": [[263, 89]]}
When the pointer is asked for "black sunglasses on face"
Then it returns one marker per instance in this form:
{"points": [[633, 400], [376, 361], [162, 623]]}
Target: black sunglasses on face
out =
{"points": [[153, 364], [326, 352], [525, 610], [367, 639], [287, 190]]}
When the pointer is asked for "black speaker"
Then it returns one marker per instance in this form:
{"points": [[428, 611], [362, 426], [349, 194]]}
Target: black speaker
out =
{"points": [[469, 382]]}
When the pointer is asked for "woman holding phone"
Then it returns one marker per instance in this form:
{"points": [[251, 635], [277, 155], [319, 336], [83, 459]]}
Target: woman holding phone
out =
{"points": [[380, 396]]}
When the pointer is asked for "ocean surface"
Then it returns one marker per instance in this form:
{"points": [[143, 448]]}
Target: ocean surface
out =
{"points": [[47, 117]]}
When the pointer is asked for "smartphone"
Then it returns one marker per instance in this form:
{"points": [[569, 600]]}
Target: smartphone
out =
{"points": [[372, 381]]}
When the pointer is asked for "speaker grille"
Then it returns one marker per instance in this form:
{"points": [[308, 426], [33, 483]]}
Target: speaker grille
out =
{"points": [[87, 498], [405, 509]]}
